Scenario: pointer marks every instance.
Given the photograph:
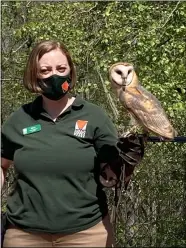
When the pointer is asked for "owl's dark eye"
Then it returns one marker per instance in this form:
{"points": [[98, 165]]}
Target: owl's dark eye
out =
{"points": [[129, 71], [118, 72]]}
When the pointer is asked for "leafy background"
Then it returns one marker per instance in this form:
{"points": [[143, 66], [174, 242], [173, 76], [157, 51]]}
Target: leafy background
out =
{"points": [[152, 36]]}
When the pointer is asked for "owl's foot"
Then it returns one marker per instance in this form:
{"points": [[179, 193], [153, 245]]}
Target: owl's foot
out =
{"points": [[132, 131], [128, 133]]}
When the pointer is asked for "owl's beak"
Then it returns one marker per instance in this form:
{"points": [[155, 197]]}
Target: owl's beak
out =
{"points": [[124, 81], [123, 87]]}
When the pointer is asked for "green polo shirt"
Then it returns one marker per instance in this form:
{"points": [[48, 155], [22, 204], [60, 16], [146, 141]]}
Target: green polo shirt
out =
{"points": [[57, 164]]}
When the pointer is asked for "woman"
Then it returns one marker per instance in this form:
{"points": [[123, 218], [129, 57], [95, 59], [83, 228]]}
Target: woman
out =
{"points": [[58, 144]]}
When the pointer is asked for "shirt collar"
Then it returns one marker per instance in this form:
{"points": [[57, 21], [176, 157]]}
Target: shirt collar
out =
{"points": [[36, 106]]}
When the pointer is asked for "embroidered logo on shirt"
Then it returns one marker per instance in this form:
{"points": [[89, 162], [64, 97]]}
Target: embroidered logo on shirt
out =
{"points": [[80, 128]]}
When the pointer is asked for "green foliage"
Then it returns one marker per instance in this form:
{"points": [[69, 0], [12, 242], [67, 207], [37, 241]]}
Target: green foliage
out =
{"points": [[151, 35]]}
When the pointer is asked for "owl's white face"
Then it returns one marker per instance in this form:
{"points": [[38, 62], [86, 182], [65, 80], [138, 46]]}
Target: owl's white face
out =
{"points": [[122, 74]]}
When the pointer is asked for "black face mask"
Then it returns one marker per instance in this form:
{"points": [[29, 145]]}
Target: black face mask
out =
{"points": [[55, 87]]}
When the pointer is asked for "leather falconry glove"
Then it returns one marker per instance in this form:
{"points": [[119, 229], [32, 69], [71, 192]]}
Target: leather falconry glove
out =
{"points": [[130, 153]]}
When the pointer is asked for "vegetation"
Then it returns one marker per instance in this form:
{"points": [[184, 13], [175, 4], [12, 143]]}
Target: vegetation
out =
{"points": [[151, 35]]}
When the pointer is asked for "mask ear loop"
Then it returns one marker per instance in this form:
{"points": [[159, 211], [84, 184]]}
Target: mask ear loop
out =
{"points": [[70, 84]]}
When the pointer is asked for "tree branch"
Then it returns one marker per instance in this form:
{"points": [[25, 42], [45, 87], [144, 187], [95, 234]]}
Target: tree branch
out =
{"points": [[171, 14], [28, 3], [20, 46], [110, 100]]}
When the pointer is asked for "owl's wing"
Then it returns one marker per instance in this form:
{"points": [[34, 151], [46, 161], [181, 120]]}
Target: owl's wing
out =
{"points": [[147, 110]]}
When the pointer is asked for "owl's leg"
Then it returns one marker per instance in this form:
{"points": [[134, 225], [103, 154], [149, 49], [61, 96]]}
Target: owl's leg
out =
{"points": [[145, 136]]}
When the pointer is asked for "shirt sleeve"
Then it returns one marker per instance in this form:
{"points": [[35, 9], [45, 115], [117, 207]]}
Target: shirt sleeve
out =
{"points": [[105, 141], [7, 147]]}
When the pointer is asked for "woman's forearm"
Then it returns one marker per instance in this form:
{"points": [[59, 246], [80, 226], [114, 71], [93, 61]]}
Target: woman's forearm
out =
{"points": [[5, 164], [2, 177]]}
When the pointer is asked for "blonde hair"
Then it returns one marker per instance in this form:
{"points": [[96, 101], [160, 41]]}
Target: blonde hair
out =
{"points": [[30, 79]]}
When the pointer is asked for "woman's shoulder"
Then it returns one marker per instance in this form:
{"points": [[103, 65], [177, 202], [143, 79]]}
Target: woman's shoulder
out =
{"points": [[17, 115], [94, 108]]}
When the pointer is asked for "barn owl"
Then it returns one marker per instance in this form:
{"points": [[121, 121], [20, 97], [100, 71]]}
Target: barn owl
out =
{"points": [[141, 104]]}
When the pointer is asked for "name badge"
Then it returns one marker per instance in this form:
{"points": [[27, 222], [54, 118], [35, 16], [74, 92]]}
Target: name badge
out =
{"points": [[32, 129]]}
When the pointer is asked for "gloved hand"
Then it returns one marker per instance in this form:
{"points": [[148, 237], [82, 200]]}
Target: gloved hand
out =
{"points": [[131, 149], [131, 152]]}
